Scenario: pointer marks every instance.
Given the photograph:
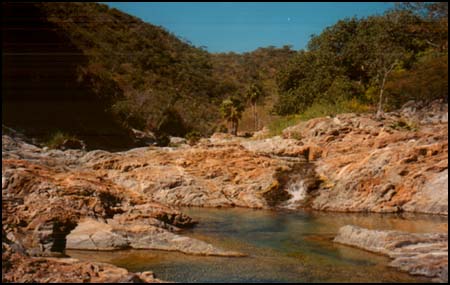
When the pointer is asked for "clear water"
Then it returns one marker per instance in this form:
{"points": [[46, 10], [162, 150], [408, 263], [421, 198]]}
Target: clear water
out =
{"points": [[281, 247]]}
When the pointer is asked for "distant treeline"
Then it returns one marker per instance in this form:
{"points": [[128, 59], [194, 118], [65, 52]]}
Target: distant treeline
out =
{"points": [[380, 61], [152, 80]]}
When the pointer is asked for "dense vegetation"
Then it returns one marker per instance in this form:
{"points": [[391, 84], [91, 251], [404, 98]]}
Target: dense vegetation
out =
{"points": [[379, 61], [149, 79], [152, 79], [147, 73], [243, 72]]}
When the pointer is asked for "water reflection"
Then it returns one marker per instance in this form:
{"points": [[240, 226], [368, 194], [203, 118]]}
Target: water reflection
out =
{"points": [[282, 247]]}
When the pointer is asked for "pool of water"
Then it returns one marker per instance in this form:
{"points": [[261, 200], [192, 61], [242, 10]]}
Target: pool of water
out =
{"points": [[281, 247]]}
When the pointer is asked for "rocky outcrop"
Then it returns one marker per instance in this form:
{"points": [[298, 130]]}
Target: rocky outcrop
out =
{"points": [[278, 146], [143, 138], [419, 254], [72, 143], [48, 194], [263, 133], [18, 267], [94, 235], [51, 200], [435, 112], [399, 163], [99, 200], [355, 163], [206, 175], [14, 147], [42, 206]]}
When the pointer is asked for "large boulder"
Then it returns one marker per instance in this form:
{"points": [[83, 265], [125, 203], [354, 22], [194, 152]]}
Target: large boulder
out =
{"points": [[18, 268], [282, 147], [223, 174], [393, 164], [45, 200], [95, 235], [389, 172], [419, 254]]}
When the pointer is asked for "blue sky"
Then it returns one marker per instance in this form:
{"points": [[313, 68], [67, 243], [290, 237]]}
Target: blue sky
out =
{"points": [[241, 27]]}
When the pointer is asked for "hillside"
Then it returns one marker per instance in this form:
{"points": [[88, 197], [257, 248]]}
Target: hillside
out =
{"points": [[259, 66], [98, 59], [376, 62], [96, 72], [348, 182], [93, 71]]}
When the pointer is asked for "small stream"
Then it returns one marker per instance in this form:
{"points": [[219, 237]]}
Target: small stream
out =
{"points": [[283, 246]]}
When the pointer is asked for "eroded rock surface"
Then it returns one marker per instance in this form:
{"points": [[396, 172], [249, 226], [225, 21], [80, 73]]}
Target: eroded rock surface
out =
{"points": [[206, 175], [103, 200], [399, 163], [419, 254], [358, 162], [18, 267], [46, 195], [94, 235]]}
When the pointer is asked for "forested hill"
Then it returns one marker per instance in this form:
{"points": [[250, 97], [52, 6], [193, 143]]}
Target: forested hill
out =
{"points": [[115, 70], [379, 61], [96, 72]]}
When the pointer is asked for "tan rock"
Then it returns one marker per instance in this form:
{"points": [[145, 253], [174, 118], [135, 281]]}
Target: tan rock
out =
{"points": [[276, 146], [418, 254], [23, 269], [215, 175], [17, 266], [262, 134], [394, 170], [94, 235], [42, 205]]}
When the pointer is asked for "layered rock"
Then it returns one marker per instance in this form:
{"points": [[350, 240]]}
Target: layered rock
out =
{"points": [[399, 163], [395, 164], [94, 235], [19, 267], [46, 209], [46, 195], [419, 254], [15, 147], [277, 146], [100, 200], [206, 175]]}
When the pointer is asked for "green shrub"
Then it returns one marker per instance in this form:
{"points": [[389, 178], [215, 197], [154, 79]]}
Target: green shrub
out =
{"points": [[405, 125], [57, 139], [162, 140], [318, 109], [426, 81], [193, 137], [277, 126], [323, 109], [221, 129]]}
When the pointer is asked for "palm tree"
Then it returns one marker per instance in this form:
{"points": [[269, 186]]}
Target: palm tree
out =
{"points": [[253, 94], [231, 110]]}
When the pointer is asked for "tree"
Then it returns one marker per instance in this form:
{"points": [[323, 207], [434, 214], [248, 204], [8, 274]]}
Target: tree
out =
{"points": [[172, 123], [430, 10], [231, 110], [253, 95], [355, 58], [305, 79], [386, 47], [433, 27], [427, 80]]}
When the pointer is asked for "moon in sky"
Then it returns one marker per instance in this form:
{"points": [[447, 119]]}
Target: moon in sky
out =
{"points": [[289, 19]]}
